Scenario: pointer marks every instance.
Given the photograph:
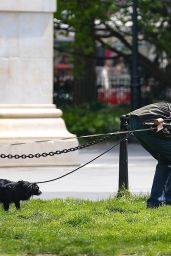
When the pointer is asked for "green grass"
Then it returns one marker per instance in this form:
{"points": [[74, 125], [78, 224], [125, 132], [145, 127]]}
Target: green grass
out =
{"points": [[119, 226]]}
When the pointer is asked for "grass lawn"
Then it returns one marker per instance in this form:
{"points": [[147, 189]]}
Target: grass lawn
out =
{"points": [[120, 226]]}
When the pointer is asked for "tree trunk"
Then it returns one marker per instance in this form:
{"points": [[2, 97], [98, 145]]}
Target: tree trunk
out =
{"points": [[85, 65], [85, 81]]}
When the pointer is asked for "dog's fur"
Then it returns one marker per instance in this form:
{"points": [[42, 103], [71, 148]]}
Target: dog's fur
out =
{"points": [[14, 192]]}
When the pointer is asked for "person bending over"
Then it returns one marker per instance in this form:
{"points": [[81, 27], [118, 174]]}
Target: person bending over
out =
{"points": [[158, 144]]}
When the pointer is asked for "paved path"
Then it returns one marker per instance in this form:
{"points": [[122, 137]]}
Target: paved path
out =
{"points": [[98, 180]]}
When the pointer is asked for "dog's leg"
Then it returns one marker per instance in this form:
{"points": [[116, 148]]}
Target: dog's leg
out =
{"points": [[17, 205], [6, 206]]}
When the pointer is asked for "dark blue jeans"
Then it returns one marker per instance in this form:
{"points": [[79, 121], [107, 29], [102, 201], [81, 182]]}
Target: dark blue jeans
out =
{"points": [[160, 149]]}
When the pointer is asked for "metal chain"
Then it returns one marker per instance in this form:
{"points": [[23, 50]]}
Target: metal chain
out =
{"points": [[58, 152]]}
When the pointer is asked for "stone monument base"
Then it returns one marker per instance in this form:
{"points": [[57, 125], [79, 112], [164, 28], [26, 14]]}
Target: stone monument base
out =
{"points": [[35, 128]]}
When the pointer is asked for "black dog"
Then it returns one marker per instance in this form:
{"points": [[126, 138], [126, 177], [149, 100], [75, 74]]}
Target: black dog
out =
{"points": [[13, 192]]}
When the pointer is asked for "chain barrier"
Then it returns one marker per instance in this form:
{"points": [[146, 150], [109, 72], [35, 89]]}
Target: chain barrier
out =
{"points": [[58, 152]]}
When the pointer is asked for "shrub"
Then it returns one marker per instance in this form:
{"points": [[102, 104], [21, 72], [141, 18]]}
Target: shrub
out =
{"points": [[93, 118]]}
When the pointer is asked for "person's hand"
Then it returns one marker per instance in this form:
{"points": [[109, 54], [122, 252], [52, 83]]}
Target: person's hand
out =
{"points": [[159, 124]]}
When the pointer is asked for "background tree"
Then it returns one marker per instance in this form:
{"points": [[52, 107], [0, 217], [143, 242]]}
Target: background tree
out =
{"points": [[81, 17], [105, 22]]}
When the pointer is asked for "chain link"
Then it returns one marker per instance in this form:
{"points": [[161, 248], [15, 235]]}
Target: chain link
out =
{"points": [[58, 152]]}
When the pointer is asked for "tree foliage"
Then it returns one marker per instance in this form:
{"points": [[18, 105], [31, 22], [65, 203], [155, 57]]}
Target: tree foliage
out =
{"points": [[106, 22]]}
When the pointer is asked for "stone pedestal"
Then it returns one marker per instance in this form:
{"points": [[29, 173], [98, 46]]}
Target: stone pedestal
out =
{"points": [[26, 84]]}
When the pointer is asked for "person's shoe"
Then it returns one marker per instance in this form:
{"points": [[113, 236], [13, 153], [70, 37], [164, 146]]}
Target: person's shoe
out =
{"points": [[154, 204]]}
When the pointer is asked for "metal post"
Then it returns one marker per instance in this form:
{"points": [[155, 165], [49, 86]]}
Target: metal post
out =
{"points": [[123, 156], [135, 87]]}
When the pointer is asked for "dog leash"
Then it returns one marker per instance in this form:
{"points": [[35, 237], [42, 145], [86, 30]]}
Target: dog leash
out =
{"points": [[106, 151], [68, 173]]}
